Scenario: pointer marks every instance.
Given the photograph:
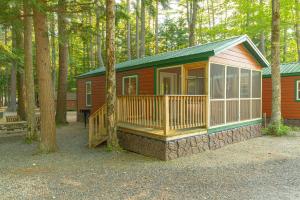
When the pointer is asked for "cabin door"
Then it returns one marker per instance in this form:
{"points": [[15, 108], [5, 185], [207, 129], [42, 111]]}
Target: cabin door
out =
{"points": [[168, 83]]}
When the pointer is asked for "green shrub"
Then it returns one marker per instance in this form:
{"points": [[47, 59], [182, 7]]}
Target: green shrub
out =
{"points": [[277, 130]]}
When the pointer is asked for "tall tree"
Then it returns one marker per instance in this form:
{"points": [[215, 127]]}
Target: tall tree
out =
{"points": [[111, 95], [53, 50], [297, 7], [61, 103], [262, 43], [192, 23], [28, 70], [137, 24], [275, 64], [143, 28], [128, 31], [156, 27], [12, 106], [99, 43], [46, 98]]}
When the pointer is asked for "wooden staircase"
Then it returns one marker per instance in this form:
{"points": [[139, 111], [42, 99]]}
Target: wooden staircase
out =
{"points": [[97, 127]]}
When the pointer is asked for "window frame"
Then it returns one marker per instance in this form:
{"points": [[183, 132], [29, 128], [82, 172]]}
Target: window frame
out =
{"points": [[297, 90], [239, 98], [130, 77], [86, 93]]}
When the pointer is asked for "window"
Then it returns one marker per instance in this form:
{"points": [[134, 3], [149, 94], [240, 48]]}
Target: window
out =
{"points": [[256, 84], [196, 81], [235, 94], [298, 90], [232, 94], [217, 94], [130, 85], [88, 93], [217, 81], [245, 83]]}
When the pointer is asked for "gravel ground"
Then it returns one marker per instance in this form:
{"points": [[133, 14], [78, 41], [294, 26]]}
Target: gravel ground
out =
{"points": [[261, 168]]}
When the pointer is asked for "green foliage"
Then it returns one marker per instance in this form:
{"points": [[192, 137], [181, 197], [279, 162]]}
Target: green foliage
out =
{"points": [[277, 129]]}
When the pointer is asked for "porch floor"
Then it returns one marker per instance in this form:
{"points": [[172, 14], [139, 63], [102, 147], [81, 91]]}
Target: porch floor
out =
{"points": [[159, 134]]}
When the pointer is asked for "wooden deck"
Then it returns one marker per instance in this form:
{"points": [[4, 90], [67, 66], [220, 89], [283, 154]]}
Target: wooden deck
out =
{"points": [[163, 117], [158, 133]]}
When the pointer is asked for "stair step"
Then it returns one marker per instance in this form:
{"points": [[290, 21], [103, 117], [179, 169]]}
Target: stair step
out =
{"points": [[99, 141]]}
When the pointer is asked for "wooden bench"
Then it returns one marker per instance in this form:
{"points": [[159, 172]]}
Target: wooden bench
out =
{"points": [[13, 118]]}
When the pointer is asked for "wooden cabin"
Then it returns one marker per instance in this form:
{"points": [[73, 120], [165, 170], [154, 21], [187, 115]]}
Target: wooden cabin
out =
{"points": [[181, 102], [290, 92]]}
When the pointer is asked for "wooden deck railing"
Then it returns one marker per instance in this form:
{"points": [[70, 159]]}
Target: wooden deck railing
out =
{"points": [[165, 113], [169, 112], [97, 127]]}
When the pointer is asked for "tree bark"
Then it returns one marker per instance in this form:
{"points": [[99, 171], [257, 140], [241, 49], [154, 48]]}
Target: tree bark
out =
{"points": [[21, 109], [297, 6], [111, 95], [262, 43], [46, 98], [143, 29], [137, 24], [99, 45], [275, 62], [156, 29], [12, 107], [61, 102], [53, 52], [193, 23], [128, 32], [28, 69]]}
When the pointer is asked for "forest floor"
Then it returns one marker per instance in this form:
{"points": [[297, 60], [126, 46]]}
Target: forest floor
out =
{"points": [[260, 168]]}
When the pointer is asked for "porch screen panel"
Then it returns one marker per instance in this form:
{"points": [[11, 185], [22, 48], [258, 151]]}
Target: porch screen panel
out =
{"points": [[256, 94], [217, 94], [196, 81], [245, 94], [232, 94]]}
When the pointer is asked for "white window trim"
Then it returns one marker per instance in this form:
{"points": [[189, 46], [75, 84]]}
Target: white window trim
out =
{"points": [[130, 76], [297, 90], [86, 93]]}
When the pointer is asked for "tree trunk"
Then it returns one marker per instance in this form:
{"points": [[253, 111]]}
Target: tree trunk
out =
{"points": [[275, 62], [143, 29], [156, 29], [12, 107], [262, 43], [137, 24], [297, 6], [99, 45], [29, 79], [128, 32], [46, 98], [91, 45], [53, 52], [111, 95], [193, 23], [21, 109], [61, 102]]}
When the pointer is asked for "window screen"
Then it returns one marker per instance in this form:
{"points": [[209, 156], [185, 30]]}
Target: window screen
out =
{"points": [[196, 81], [256, 84], [232, 83], [217, 81], [245, 83], [130, 85]]}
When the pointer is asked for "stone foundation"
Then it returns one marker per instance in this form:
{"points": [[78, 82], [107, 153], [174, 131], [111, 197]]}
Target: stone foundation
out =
{"points": [[184, 146]]}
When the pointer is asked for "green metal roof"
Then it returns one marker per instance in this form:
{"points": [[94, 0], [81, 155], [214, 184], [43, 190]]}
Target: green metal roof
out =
{"points": [[286, 69], [191, 54]]}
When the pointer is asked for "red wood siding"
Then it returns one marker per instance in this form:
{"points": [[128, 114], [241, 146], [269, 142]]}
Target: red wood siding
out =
{"points": [[145, 79], [289, 107], [237, 56]]}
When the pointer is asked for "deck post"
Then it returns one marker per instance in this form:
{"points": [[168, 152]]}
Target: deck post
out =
{"points": [[166, 113]]}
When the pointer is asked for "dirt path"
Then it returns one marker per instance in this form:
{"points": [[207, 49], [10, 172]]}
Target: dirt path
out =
{"points": [[261, 168]]}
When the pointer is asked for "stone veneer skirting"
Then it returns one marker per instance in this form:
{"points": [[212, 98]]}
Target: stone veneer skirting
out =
{"points": [[172, 149]]}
